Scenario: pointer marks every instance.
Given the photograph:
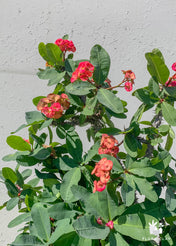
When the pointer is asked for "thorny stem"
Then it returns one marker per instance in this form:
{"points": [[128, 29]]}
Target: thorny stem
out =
{"points": [[113, 87]]}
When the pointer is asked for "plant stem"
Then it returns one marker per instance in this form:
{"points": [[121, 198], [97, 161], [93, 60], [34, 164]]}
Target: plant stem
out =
{"points": [[113, 87]]}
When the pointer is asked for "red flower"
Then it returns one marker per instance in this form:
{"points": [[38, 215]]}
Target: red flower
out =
{"points": [[170, 84], [129, 75], [26, 140], [83, 71], [53, 105], [128, 86], [174, 66], [110, 224], [65, 45], [105, 165], [98, 186], [99, 221]]}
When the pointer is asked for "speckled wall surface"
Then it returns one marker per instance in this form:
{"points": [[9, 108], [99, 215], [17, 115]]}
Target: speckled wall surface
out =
{"points": [[125, 28]]}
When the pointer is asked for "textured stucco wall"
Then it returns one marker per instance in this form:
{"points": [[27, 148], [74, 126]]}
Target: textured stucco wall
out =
{"points": [[126, 29]]}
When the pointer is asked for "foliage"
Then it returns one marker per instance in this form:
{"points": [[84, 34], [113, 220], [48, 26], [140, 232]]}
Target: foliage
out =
{"points": [[91, 199]]}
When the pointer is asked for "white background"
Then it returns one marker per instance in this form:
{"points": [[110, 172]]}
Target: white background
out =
{"points": [[125, 28]]}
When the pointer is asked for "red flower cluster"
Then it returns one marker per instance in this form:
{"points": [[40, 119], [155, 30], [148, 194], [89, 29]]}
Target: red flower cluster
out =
{"points": [[129, 79], [108, 145], [65, 45], [53, 105], [102, 170], [83, 71]]}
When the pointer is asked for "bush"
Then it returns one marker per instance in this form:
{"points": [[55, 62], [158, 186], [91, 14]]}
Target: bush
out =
{"points": [[92, 199]]}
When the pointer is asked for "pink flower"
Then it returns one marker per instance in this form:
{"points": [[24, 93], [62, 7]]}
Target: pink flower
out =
{"points": [[83, 71], [128, 86], [26, 140], [171, 84], [174, 66], [65, 45], [108, 141], [105, 165], [54, 111], [99, 221], [129, 74], [110, 224], [98, 186]]}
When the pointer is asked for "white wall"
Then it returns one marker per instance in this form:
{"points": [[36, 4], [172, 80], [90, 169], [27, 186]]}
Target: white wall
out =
{"points": [[125, 28]]}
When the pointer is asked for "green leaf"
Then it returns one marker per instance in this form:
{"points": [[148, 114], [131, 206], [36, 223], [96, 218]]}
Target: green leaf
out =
{"points": [[20, 128], [25, 160], [43, 51], [65, 163], [71, 178], [41, 175], [33, 182], [104, 204], [116, 239], [146, 188], [26, 239], [46, 123], [59, 211], [51, 74], [142, 168], [18, 143], [157, 67], [41, 153], [91, 152], [128, 190], [12, 203], [8, 173], [162, 160], [145, 96], [69, 66], [84, 242], [170, 198], [87, 227], [69, 239], [164, 128], [20, 219], [63, 227], [41, 221], [79, 88], [169, 113], [154, 86], [136, 226], [75, 100], [34, 116], [26, 173], [36, 100], [131, 144], [158, 53], [109, 131], [74, 145], [169, 142], [11, 187], [137, 116], [54, 53], [101, 60], [109, 100], [171, 91], [90, 105]]}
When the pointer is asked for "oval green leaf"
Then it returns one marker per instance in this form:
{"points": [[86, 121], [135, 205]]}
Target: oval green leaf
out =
{"points": [[109, 100]]}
